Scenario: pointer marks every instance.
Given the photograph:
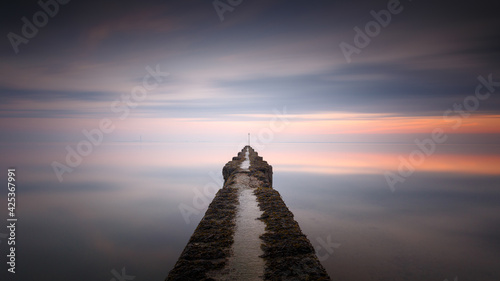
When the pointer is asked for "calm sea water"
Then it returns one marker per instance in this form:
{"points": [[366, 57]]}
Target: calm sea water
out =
{"points": [[119, 211]]}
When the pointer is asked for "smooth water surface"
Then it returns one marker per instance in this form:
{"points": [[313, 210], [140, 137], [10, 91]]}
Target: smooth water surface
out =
{"points": [[134, 206]]}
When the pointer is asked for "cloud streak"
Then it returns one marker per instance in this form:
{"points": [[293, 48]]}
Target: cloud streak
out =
{"points": [[263, 56]]}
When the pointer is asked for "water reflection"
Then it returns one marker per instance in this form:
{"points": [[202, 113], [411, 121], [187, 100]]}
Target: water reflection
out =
{"points": [[376, 158], [437, 226], [120, 208]]}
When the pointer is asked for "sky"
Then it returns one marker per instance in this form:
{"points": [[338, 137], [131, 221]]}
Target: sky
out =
{"points": [[357, 73], [217, 70]]}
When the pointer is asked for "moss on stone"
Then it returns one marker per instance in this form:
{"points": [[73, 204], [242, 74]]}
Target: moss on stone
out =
{"points": [[288, 254]]}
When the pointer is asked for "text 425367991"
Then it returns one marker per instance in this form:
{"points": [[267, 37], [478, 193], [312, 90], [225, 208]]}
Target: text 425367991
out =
{"points": [[12, 220]]}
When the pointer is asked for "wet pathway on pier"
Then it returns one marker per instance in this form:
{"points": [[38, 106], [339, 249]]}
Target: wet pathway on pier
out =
{"points": [[245, 263]]}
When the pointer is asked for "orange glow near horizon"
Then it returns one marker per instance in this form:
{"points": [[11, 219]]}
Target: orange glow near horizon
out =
{"points": [[378, 124], [341, 123], [305, 125], [377, 163]]}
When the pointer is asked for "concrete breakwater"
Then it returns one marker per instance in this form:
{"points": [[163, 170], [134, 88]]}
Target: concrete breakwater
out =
{"points": [[248, 233]]}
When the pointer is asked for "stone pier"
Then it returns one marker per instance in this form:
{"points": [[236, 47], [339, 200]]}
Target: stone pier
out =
{"points": [[248, 233]]}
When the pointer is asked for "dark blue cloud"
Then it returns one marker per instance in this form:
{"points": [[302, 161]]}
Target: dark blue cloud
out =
{"points": [[425, 60]]}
